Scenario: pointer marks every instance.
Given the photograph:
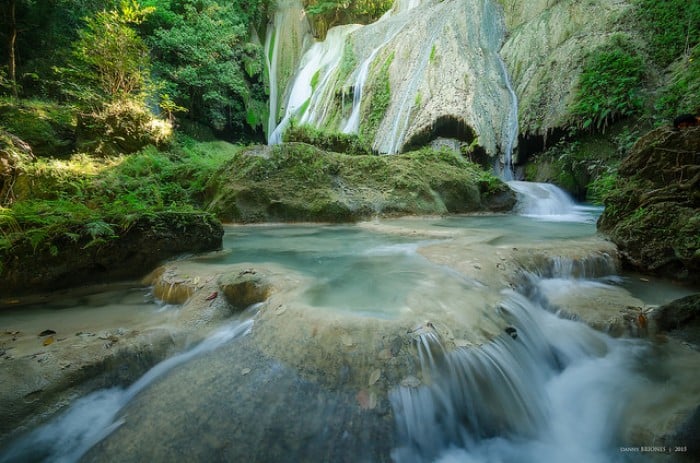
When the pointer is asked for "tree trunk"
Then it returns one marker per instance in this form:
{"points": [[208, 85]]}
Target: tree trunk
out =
{"points": [[12, 45]]}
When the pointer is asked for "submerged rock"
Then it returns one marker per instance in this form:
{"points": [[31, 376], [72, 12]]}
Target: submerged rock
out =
{"points": [[653, 212]]}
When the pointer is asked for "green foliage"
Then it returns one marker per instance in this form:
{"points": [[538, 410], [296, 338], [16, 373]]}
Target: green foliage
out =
{"points": [[325, 14], [672, 27], [610, 86], [601, 186], [49, 128], [336, 142], [203, 51], [111, 58], [682, 92], [380, 89]]}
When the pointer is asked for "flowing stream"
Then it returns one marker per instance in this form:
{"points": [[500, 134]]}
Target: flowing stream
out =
{"points": [[544, 389]]}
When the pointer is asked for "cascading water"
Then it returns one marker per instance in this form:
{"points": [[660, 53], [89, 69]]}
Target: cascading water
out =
{"points": [[549, 202], [493, 32], [313, 82], [547, 390], [285, 40], [93, 417]]}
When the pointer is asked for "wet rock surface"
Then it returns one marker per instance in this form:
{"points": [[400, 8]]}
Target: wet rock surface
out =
{"points": [[653, 213]]}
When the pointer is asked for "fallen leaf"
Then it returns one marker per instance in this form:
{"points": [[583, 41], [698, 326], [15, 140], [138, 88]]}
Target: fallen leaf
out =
{"points": [[212, 296], [48, 341], [374, 376]]}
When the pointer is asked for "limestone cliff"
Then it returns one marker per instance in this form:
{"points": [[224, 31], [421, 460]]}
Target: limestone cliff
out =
{"points": [[546, 46], [430, 69]]}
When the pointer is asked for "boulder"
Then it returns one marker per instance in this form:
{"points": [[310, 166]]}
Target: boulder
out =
{"points": [[64, 262], [298, 182], [653, 212]]}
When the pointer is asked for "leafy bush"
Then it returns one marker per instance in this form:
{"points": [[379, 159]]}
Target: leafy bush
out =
{"points": [[610, 86], [203, 51]]}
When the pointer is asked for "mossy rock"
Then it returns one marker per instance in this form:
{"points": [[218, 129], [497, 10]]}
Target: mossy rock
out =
{"points": [[71, 257], [653, 211], [48, 128], [299, 182]]}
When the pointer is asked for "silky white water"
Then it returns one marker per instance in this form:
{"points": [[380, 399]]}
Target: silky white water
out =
{"points": [[93, 417], [546, 389]]}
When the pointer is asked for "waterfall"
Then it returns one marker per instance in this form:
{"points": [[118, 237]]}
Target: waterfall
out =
{"points": [[509, 132], [549, 202], [400, 6], [271, 51], [546, 390], [286, 38], [312, 87], [494, 31], [353, 123]]}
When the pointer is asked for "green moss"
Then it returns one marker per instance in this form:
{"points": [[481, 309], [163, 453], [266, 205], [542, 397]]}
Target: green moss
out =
{"points": [[380, 89], [337, 142], [681, 93], [314, 80], [49, 128], [77, 197], [296, 181], [671, 26]]}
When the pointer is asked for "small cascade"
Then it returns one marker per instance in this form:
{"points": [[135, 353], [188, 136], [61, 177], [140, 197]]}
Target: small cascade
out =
{"points": [[546, 390], [353, 123], [549, 202], [95, 416], [314, 81], [400, 6]]}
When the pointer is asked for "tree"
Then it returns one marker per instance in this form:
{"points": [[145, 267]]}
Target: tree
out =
{"points": [[111, 57], [202, 49]]}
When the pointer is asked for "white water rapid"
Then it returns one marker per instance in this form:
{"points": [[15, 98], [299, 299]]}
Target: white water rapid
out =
{"points": [[548, 390]]}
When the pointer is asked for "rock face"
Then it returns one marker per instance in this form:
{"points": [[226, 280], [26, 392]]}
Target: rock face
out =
{"points": [[547, 43], [133, 253], [653, 214], [297, 182], [430, 69]]}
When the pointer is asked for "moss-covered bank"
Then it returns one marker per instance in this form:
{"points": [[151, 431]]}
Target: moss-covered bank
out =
{"points": [[298, 182], [75, 257], [653, 211]]}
